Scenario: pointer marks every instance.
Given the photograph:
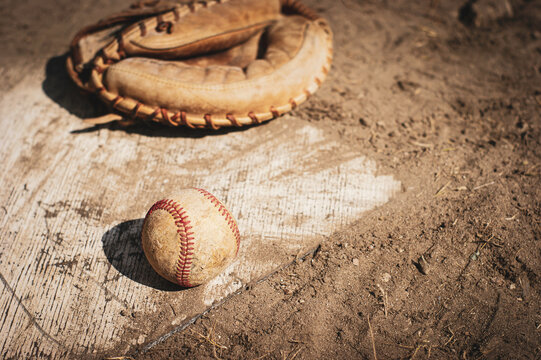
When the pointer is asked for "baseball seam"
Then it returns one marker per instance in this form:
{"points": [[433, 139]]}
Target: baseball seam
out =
{"points": [[225, 213], [186, 238]]}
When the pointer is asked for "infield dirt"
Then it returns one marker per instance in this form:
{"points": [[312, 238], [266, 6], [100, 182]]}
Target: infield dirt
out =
{"points": [[446, 96]]}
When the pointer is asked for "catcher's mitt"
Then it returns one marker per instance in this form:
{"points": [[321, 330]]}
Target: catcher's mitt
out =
{"points": [[205, 63]]}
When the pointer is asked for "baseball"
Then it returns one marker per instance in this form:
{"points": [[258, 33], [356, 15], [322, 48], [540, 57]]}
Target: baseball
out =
{"points": [[190, 237]]}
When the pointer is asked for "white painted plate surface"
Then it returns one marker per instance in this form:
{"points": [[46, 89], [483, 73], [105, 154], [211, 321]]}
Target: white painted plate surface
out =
{"points": [[74, 278]]}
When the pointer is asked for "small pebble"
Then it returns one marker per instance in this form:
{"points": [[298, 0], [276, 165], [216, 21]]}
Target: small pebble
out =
{"points": [[512, 287], [422, 265], [356, 262], [386, 277], [141, 339]]}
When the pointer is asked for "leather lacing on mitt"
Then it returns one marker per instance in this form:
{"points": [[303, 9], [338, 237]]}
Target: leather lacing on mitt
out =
{"points": [[203, 64]]}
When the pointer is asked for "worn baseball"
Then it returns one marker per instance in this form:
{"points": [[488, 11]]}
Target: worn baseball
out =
{"points": [[190, 237]]}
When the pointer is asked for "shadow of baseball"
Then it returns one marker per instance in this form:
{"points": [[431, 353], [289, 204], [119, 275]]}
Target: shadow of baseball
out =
{"points": [[122, 247]]}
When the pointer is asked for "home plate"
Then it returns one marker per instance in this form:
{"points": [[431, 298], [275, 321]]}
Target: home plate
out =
{"points": [[74, 277]]}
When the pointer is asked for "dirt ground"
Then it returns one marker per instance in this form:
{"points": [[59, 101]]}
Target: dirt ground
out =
{"points": [[445, 96]]}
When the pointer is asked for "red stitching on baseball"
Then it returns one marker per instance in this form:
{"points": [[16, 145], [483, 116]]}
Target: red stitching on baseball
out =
{"points": [[182, 222], [225, 213]]}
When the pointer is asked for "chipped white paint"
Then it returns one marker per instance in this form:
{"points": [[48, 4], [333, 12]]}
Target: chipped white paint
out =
{"points": [[238, 273], [73, 277], [307, 192], [228, 282]]}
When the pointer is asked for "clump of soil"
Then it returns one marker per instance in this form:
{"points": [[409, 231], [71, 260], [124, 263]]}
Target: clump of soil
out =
{"points": [[446, 96]]}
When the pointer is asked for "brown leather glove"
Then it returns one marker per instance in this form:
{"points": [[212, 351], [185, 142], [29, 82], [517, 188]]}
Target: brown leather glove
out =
{"points": [[205, 63]]}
